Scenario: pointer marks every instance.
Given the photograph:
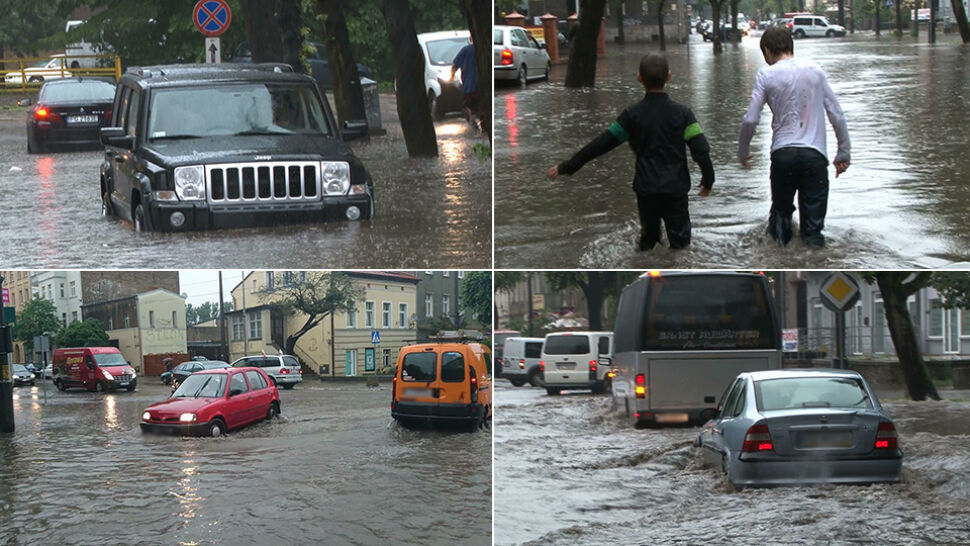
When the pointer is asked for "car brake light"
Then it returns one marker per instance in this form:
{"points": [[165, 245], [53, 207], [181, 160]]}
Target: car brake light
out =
{"points": [[473, 384], [757, 439], [641, 386], [506, 57], [592, 365], [301, 371], [284, 371], [653, 273], [886, 437], [394, 389], [521, 363], [41, 113], [542, 366]]}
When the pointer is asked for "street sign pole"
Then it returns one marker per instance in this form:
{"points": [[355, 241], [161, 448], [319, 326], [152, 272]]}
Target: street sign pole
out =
{"points": [[6, 381], [838, 293], [212, 18], [839, 362]]}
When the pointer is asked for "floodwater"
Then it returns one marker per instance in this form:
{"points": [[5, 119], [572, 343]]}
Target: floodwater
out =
{"points": [[569, 471], [332, 470], [902, 203], [429, 212]]}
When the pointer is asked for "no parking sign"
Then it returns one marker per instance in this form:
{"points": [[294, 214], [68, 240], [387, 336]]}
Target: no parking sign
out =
{"points": [[211, 17]]}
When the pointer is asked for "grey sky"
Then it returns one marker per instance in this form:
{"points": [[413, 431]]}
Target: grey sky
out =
{"points": [[202, 285]]}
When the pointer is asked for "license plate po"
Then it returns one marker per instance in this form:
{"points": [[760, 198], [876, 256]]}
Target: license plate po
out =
{"points": [[82, 119]]}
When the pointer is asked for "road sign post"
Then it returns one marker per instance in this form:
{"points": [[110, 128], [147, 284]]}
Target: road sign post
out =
{"points": [[6, 381], [838, 293], [212, 18]]}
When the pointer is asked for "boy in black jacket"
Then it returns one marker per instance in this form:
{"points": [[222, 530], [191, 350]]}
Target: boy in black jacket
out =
{"points": [[657, 129]]}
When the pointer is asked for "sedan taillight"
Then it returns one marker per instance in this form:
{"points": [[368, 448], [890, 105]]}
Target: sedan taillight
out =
{"points": [[284, 371], [506, 57], [886, 437], [758, 439]]}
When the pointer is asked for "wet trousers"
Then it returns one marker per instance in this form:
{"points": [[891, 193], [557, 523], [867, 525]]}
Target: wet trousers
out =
{"points": [[805, 171], [672, 209]]}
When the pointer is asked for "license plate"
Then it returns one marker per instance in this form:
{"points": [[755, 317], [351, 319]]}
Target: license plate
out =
{"points": [[566, 365], [417, 393], [82, 119], [822, 439], [671, 417], [123, 383]]}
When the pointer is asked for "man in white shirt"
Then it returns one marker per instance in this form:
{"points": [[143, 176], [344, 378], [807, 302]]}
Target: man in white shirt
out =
{"points": [[799, 97]]}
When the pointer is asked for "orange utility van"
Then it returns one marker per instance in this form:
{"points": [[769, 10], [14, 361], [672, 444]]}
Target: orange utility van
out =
{"points": [[443, 383], [93, 368]]}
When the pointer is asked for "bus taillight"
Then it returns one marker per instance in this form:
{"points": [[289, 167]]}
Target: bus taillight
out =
{"points": [[641, 386]]}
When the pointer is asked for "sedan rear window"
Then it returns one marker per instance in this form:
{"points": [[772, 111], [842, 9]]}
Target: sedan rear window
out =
{"points": [[811, 392], [419, 367], [90, 91], [567, 345]]}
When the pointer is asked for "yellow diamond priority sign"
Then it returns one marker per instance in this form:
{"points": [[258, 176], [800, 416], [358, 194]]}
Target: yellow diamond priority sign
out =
{"points": [[839, 291]]}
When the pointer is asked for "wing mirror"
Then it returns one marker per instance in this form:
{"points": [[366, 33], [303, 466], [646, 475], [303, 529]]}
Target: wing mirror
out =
{"points": [[115, 136], [353, 129], [23, 102]]}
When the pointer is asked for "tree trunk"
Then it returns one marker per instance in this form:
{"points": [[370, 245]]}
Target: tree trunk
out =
{"points": [[581, 70], [899, 18], [348, 95], [961, 17], [310, 323], [877, 18], [265, 39], [479, 15], [620, 35], [660, 24], [894, 295], [413, 109], [716, 26], [593, 291], [290, 19]]}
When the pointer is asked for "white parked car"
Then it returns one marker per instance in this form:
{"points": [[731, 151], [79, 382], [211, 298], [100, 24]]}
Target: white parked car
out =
{"points": [[439, 48], [803, 26], [518, 56], [51, 69]]}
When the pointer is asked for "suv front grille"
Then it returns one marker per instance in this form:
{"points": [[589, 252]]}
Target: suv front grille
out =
{"points": [[277, 181]]}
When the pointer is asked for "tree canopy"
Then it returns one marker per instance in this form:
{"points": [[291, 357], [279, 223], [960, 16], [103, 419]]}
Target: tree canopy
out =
{"points": [[476, 296], [38, 317], [87, 333], [206, 311], [315, 295]]}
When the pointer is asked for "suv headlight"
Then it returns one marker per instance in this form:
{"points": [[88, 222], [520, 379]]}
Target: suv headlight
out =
{"points": [[190, 183], [335, 176]]}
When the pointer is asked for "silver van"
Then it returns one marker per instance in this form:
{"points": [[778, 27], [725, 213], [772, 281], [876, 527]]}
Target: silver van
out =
{"points": [[283, 370], [520, 360], [577, 360]]}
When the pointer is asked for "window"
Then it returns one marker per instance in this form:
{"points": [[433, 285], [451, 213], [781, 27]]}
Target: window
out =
{"points": [[270, 280], [131, 122], [64, 320], [445, 273], [73, 289], [175, 323], [151, 319], [935, 327], [452, 367], [238, 327], [461, 274], [429, 305], [256, 325], [964, 322], [287, 278], [402, 315], [385, 314], [256, 381], [254, 287], [111, 323], [352, 318], [127, 321], [445, 307], [419, 367], [237, 385], [387, 358], [302, 276], [73, 317], [368, 314]]}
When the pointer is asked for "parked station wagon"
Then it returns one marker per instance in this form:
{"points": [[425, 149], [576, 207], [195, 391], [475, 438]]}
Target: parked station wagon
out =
{"points": [[231, 145]]}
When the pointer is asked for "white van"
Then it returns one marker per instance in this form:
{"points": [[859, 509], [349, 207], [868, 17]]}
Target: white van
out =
{"points": [[576, 360], [520, 360]]}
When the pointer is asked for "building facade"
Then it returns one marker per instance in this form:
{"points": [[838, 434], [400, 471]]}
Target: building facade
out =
{"points": [[339, 345], [547, 305], [63, 288], [109, 285], [17, 286], [146, 328], [439, 304]]}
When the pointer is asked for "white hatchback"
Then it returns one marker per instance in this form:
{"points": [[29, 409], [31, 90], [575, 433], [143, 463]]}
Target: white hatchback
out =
{"points": [[444, 93]]}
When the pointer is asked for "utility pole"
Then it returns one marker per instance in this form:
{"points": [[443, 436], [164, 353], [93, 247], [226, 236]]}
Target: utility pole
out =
{"points": [[528, 282], [6, 380], [223, 349], [932, 29]]}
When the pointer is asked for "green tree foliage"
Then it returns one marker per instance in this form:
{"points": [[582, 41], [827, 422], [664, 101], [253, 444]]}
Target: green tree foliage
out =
{"points": [[206, 311], [596, 287], [315, 297], [476, 296], [24, 22], [954, 288], [38, 317], [89, 333]]}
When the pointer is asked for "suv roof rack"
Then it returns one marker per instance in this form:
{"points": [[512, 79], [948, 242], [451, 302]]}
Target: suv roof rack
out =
{"points": [[175, 69], [456, 336]]}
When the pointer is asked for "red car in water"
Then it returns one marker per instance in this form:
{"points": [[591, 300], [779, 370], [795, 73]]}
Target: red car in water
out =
{"points": [[213, 402]]}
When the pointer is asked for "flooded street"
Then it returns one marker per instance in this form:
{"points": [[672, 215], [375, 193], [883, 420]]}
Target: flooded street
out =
{"points": [[428, 212], [78, 470], [567, 471], [901, 203]]}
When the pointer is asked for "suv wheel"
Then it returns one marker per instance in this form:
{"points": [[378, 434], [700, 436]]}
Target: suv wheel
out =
{"points": [[799, 33], [139, 217], [829, 33]]}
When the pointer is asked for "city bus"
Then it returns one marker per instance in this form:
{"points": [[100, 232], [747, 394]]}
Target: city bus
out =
{"points": [[681, 338]]}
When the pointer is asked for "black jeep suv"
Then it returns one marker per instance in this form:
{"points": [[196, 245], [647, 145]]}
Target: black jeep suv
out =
{"points": [[230, 145]]}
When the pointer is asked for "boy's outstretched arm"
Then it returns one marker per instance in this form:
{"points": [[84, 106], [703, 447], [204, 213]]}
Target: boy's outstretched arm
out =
{"points": [[606, 141], [700, 151]]}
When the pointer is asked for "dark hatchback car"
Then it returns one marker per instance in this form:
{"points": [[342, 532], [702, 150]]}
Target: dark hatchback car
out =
{"points": [[69, 112], [230, 145]]}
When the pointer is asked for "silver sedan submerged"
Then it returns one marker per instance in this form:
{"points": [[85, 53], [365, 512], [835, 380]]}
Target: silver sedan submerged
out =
{"points": [[801, 427]]}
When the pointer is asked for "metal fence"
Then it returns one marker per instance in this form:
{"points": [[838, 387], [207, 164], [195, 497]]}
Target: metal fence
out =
{"points": [[29, 73], [859, 341]]}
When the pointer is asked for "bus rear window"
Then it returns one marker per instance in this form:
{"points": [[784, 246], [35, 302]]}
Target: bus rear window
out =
{"points": [[708, 312], [567, 345], [419, 367]]}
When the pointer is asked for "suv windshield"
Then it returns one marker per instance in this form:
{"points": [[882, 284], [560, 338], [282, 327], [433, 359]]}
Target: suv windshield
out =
{"points": [[110, 359], [237, 109], [201, 386]]}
